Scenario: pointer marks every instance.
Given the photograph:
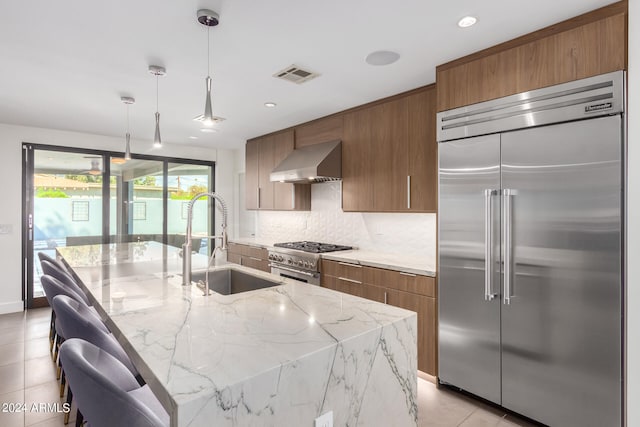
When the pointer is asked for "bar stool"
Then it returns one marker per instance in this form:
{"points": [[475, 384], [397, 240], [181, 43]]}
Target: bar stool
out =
{"points": [[107, 394], [76, 321]]}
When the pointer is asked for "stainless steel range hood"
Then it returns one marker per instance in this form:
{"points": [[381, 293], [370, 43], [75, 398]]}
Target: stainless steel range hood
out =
{"points": [[313, 163]]}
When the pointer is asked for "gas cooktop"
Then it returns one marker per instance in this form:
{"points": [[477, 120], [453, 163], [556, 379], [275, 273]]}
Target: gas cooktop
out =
{"points": [[313, 247]]}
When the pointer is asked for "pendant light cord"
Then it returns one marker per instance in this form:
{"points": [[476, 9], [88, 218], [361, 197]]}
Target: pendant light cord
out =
{"points": [[127, 118], [208, 53], [157, 93]]}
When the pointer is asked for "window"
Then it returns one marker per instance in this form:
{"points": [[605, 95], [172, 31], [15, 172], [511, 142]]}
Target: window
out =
{"points": [[139, 211], [79, 211]]}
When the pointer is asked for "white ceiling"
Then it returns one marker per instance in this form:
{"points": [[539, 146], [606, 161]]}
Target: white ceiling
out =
{"points": [[65, 64]]}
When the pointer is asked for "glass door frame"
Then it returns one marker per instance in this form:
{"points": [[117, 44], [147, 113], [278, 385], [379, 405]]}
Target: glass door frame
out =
{"points": [[28, 195]]}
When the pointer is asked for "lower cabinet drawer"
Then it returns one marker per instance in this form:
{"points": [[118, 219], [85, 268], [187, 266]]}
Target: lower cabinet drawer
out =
{"points": [[257, 263], [342, 284]]}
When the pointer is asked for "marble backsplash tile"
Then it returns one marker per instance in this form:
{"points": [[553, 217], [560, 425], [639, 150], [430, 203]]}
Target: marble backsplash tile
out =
{"points": [[404, 233]]}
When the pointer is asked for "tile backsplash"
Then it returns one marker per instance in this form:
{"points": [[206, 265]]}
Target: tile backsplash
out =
{"points": [[403, 233]]}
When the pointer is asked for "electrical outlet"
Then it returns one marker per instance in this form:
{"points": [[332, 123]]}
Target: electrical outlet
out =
{"points": [[6, 229], [325, 420]]}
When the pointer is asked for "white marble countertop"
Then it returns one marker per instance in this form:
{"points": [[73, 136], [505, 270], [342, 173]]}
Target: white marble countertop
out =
{"points": [[407, 263], [195, 351]]}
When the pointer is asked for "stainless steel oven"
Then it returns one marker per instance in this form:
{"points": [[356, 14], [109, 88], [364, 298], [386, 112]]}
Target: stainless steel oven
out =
{"points": [[300, 275]]}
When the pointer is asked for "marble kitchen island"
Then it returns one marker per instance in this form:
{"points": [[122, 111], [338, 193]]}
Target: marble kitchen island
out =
{"points": [[279, 356]]}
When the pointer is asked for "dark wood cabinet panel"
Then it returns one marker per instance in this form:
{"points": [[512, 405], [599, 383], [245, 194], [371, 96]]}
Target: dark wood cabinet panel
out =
{"points": [[357, 157], [321, 130], [342, 269], [389, 155], [266, 160], [252, 182], [234, 258], [422, 151], [248, 256], [262, 155], [407, 282], [426, 309], [389, 152], [584, 46], [283, 193]]}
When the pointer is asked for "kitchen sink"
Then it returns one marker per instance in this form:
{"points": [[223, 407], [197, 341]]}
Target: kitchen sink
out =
{"points": [[230, 281]]}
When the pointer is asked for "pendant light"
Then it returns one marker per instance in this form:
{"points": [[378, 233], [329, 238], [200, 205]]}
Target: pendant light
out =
{"points": [[157, 71], [209, 19], [127, 149]]}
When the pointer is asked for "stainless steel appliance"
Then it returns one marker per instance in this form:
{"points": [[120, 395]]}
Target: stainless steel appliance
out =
{"points": [[300, 260], [530, 287]]}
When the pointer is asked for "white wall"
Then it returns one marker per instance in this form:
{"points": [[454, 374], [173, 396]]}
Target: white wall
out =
{"points": [[11, 139], [411, 234], [633, 220]]}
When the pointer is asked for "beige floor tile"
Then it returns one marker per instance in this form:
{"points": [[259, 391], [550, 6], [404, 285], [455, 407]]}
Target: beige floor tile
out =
{"points": [[36, 348], [12, 320], [441, 408], [36, 330], [11, 353], [38, 314], [11, 335], [482, 418], [14, 418], [47, 393], [39, 371], [11, 377]]}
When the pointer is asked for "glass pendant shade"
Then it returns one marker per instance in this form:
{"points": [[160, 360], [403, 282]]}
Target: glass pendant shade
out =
{"points": [[157, 141], [208, 111], [127, 151]]}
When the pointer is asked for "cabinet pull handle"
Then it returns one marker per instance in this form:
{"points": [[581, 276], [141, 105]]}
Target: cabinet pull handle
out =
{"points": [[385, 297], [255, 259], [408, 191], [240, 260], [407, 274], [350, 265], [258, 196], [350, 280]]}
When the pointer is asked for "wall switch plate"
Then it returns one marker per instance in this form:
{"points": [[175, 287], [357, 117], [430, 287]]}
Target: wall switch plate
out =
{"points": [[6, 229], [325, 420]]}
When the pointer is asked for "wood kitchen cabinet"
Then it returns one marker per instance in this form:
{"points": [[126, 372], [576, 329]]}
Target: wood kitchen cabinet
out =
{"points": [[322, 130], [261, 156], [389, 155], [409, 291], [587, 45], [248, 256]]}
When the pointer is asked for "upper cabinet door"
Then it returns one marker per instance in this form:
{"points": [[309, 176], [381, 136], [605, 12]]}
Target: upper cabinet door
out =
{"points": [[266, 160], [357, 157], [321, 130], [284, 198], [422, 152], [389, 145], [252, 184]]}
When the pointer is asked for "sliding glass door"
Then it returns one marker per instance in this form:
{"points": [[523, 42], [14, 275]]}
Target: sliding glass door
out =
{"points": [[78, 197]]}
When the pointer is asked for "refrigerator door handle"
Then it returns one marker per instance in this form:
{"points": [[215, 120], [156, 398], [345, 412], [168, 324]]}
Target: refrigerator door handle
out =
{"points": [[488, 245], [507, 245]]}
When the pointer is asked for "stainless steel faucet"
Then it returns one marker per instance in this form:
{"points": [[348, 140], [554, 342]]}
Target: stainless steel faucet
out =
{"points": [[186, 248]]}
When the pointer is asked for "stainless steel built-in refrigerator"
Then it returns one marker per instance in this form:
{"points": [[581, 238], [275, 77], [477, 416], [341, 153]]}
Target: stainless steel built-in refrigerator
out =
{"points": [[531, 193]]}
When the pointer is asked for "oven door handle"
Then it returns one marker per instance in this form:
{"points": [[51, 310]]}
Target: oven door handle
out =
{"points": [[281, 267]]}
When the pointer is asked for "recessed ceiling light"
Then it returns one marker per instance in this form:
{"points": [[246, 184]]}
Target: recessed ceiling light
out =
{"points": [[382, 57], [208, 130], [270, 104], [193, 137], [467, 21]]}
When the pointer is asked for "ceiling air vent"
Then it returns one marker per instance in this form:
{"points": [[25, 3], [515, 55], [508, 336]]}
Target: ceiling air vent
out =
{"points": [[295, 74], [216, 119]]}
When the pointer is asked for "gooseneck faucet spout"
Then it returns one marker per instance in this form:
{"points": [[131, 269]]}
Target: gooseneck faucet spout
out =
{"points": [[186, 247]]}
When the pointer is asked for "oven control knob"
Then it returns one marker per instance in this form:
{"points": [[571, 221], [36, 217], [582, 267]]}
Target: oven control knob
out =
{"points": [[300, 263], [280, 258], [306, 264], [289, 261], [271, 256]]}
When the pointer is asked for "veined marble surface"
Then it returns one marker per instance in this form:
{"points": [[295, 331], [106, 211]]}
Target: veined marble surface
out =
{"points": [[404, 263], [278, 356]]}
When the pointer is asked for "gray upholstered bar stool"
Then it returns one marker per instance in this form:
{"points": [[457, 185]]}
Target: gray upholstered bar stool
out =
{"points": [[76, 321], [107, 394]]}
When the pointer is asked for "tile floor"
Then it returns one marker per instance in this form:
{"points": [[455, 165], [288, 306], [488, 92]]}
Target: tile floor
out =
{"points": [[27, 375]]}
